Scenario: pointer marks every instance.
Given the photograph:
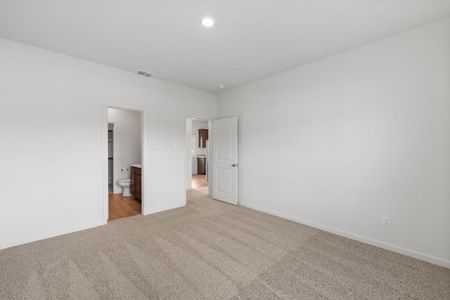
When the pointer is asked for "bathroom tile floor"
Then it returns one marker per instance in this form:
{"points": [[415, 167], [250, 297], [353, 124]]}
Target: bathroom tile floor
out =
{"points": [[121, 207]]}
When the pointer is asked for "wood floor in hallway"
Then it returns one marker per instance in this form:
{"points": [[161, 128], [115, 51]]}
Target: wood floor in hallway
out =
{"points": [[199, 181], [122, 206]]}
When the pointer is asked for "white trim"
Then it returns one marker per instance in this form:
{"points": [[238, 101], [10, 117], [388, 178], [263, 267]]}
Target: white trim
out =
{"points": [[188, 154], [39, 237], [166, 209], [114, 151], [210, 163], [398, 249]]}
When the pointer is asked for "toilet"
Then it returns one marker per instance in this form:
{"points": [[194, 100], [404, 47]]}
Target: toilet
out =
{"points": [[125, 185]]}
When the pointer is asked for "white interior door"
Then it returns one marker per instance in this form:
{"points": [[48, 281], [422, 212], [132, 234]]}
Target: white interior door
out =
{"points": [[225, 163]]}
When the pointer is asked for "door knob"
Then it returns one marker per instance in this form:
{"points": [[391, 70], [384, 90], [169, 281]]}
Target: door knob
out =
{"points": [[234, 165]]}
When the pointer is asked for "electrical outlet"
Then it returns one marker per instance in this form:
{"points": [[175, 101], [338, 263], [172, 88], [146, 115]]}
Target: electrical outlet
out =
{"points": [[386, 221], [69, 208]]}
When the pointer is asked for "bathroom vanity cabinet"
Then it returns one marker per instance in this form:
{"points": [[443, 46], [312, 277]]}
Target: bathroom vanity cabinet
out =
{"points": [[202, 137], [135, 184]]}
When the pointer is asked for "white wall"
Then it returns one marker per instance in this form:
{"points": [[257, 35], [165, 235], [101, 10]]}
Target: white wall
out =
{"points": [[337, 143], [127, 143], [343, 141], [52, 116]]}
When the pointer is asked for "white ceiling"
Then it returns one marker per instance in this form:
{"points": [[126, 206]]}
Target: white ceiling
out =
{"points": [[251, 38]]}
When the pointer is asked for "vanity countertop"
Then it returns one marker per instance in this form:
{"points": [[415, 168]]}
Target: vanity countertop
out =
{"points": [[137, 166]]}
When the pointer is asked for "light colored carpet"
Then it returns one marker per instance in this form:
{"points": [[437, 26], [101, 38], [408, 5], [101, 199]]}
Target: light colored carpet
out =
{"points": [[212, 250]]}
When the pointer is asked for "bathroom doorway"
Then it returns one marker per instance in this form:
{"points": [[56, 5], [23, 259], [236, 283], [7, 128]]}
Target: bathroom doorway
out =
{"points": [[125, 164]]}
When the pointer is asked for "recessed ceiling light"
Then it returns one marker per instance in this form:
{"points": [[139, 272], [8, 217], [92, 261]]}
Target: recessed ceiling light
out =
{"points": [[208, 22], [221, 86]]}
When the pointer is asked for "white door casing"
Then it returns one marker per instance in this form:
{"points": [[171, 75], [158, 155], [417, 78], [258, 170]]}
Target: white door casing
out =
{"points": [[225, 160]]}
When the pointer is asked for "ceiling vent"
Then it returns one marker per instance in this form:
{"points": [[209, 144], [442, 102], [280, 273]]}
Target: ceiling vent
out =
{"points": [[143, 73]]}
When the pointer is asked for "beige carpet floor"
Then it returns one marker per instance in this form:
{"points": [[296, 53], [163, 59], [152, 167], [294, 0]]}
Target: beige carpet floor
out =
{"points": [[212, 250]]}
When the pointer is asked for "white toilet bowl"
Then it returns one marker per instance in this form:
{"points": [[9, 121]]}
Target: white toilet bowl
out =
{"points": [[125, 185]]}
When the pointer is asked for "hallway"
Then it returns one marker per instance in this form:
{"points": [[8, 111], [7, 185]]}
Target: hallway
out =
{"points": [[199, 181]]}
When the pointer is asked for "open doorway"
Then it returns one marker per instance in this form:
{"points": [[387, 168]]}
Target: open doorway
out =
{"points": [[212, 159], [124, 163], [198, 133]]}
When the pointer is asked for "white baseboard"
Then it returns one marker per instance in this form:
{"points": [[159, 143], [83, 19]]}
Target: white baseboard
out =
{"points": [[146, 213], [35, 238], [401, 250]]}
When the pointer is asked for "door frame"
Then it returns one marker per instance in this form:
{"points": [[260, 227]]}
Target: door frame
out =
{"points": [[188, 155], [114, 150], [105, 198]]}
